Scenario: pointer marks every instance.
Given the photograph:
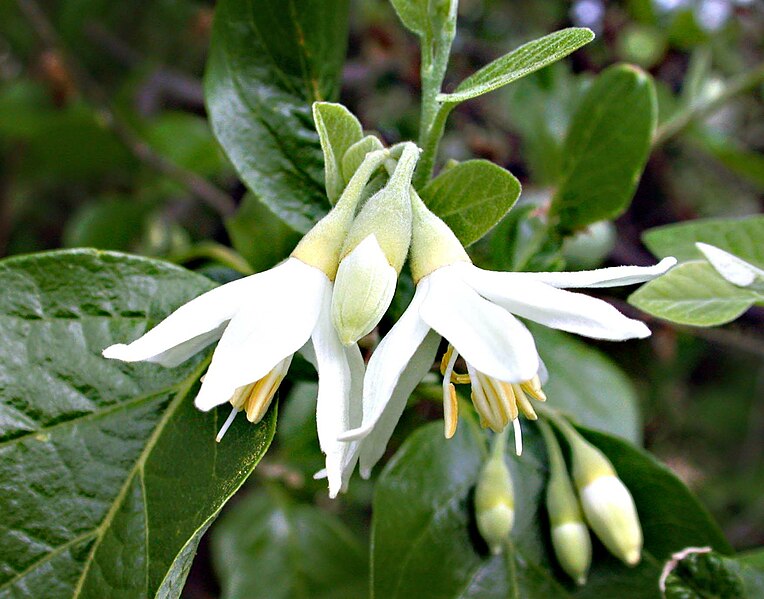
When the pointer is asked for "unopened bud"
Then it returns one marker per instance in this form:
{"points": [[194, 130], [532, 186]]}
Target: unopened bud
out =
{"points": [[363, 290], [607, 503], [570, 536], [495, 503]]}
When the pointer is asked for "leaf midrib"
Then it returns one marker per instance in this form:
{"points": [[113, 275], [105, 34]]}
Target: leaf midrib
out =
{"points": [[183, 390]]}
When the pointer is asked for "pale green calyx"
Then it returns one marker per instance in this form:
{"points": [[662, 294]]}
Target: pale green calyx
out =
{"points": [[433, 243], [321, 246], [495, 500], [387, 214], [570, 536], [373, 254], [363, 290]]}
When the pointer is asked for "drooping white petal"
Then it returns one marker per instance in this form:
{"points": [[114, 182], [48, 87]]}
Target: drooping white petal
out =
{"points": [[333, 413], [191, 327], [557, 308], [373, 446], [272, 325], [352, 448], [603, 277], [389, 361], [735, 270], [488, 337]]}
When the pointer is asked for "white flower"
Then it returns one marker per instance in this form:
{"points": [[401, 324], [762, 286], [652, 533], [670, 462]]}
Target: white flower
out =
{"points": [[474, 309], [261, 321]]}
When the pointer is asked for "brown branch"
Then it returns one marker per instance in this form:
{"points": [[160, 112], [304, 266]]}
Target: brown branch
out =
{"points": [[198, 186]]}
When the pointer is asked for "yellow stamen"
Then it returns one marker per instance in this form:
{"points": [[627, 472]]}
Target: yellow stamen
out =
{"points": [[450, 412], [454, 377], [524, 403]]}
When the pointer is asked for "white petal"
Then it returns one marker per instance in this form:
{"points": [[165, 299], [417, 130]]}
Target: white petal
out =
{"points": [[333, 404], [191, 327], [488, 337], [604, 277], [352, 450], [557, 308], [373, 446], [735, 270], [389, 361], [272, 325]]}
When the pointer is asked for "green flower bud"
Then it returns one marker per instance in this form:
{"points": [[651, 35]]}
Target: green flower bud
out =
{"points": [[363, 291], [612, 515], [373, 254], [570, 536], [321, 246], [607, 503], [495, 502]]}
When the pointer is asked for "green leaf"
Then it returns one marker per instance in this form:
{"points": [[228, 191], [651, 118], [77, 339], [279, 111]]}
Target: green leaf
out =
{"points": [[422, 16], [110, 224], [587, 385], [269, 61], [739, 236], [525, 242], [355, 154], [524, 60], [425, 543], [606, 147], [269, 547], [694, 293], [338, 129], [186, 139], [472, 197], [109, 474], [261, 237]]}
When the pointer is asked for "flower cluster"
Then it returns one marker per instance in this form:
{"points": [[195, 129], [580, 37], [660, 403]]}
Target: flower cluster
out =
{"points": [[336, 286]]}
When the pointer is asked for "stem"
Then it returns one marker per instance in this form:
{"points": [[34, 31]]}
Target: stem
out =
{"points": [[680, 122], [435, 53], [198, 186], [430, 145], [215, 252]]}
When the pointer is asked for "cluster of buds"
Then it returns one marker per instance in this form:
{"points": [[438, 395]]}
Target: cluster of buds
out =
{"points": [[600, 500]]}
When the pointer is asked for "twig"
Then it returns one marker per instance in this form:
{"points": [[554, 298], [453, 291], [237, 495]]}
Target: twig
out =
{"points": [[200, 187], [739, 85]]}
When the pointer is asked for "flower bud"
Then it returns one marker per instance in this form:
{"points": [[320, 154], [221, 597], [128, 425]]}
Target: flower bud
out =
{"points": [[607, 503], [612, 515], [570, 536], [495, 502], [364, 289]]}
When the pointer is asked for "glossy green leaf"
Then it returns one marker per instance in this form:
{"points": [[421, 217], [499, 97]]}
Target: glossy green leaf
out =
{"points": [[740, 236], [606, 147], [520, 62], [108, 474], [587, 385], [472, 197], [694, 293], [338, 129], [260, 236], [425, 543], [269, 547], [269, 61]]}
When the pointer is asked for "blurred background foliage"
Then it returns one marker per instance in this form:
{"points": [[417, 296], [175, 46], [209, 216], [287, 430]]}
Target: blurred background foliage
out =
{"points": [[104, 143]]}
